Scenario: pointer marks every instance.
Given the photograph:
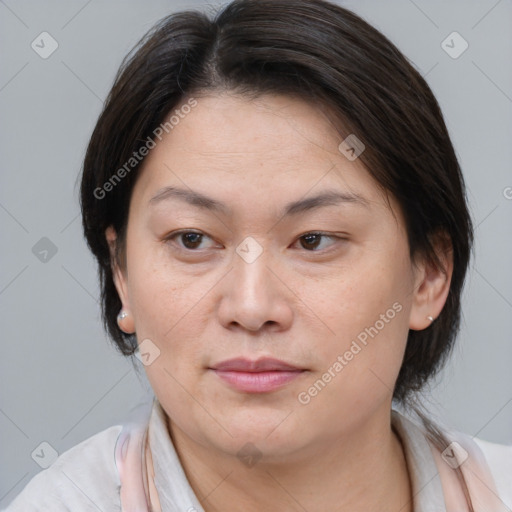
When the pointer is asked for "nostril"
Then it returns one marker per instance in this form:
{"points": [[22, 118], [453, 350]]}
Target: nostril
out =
{"points": [[254, 327]]}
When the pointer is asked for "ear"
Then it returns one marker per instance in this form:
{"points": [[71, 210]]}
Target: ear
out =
{"points": [[432, 284], [126, 324]]}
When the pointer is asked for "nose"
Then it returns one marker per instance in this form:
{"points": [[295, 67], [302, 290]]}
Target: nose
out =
{"points": [[254, 298]]}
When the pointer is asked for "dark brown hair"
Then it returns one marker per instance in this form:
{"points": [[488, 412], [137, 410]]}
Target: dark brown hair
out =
{"points": [[322, 53]]}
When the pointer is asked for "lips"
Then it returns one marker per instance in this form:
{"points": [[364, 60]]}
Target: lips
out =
{"points": [[260, 376], [261, 365]]}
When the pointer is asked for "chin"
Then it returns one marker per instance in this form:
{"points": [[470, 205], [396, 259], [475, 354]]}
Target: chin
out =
{"points": [[273, 432]]}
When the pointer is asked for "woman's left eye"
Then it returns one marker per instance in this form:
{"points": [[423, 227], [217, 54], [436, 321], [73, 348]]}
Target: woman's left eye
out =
{"points": [[316, 241]]}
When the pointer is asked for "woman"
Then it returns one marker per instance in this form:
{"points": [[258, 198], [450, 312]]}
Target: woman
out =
{"points": [[282, 235]]}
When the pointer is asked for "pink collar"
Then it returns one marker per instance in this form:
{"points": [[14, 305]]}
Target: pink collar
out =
{"points": [[132, 443]]}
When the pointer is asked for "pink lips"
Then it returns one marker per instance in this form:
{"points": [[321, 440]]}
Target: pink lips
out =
{"points": [[259, 376]]}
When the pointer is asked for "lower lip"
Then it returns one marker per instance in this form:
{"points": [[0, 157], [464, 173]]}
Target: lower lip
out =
{"points": [[257, 382]]}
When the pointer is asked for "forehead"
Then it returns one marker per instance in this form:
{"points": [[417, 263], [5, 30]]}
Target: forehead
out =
{"points": [[270, 148]]}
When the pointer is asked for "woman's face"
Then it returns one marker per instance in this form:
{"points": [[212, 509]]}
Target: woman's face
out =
{"points": [[251, 237]]}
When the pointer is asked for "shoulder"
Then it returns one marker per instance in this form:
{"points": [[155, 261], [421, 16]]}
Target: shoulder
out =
{"points": [[487, 459], [83, 478], [499, 459]]}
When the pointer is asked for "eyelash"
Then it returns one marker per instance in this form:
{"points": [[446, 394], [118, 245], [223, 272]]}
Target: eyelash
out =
{"points": [[321, 234], [173, 236]]}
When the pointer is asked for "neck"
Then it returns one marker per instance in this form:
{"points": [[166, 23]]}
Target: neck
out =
{"points": [[362, 471]]}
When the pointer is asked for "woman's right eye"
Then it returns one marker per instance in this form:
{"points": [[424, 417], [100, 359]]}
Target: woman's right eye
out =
{"points": [[190, 240]]}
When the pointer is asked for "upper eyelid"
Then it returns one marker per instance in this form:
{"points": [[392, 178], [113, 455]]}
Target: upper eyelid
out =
{"points": [[176, 234], [326, 234], [321, 233], [179, 232], [199, 232]]}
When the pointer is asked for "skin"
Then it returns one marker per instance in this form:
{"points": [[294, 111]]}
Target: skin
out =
{"points": [[302, 301]]}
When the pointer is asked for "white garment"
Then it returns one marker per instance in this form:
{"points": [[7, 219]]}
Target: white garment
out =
{"points": [[86, 477]]}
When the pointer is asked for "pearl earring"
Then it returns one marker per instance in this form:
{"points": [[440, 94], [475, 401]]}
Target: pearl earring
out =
{"points": [[430, 318], [122, 315]]}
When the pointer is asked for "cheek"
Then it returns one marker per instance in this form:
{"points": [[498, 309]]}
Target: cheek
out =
{"points": [[367, 311], [359, 366], [169, 312], [356, 298], [165, 301]]}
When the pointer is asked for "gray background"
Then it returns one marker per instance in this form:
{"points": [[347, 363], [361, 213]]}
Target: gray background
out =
{"points": [[61, 381]]}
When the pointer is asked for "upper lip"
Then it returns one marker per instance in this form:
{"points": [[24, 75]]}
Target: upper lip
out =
{"points": [[265, 364]]}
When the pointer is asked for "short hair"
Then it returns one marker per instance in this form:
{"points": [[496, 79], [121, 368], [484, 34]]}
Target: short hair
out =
{"points": [[321, 53]]}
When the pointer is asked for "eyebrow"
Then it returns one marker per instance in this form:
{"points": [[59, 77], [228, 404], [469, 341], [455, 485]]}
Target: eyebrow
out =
{"points": [[323, 199], [326, 198], [190, 197]]}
